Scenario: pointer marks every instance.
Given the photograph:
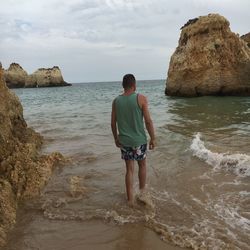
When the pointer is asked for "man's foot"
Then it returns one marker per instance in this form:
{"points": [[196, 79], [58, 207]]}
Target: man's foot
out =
{"points": [[131, 203], [144, 198]]}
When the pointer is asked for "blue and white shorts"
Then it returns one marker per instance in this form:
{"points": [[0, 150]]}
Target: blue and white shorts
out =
{"points": [[134, 153]]}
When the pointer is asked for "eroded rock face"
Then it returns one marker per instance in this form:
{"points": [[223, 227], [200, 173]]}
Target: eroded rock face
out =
{"points": [[209, 60], [246, 38], [15, 76], [23, 172], [50, 77]]}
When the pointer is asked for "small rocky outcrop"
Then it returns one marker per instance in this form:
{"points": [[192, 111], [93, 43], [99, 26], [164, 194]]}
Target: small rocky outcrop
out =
{"points": [[15, 76], [23, 171], [209, 60], [50, 77], [246, 38]]}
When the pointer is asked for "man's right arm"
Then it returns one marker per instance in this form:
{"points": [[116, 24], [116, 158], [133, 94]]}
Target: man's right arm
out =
{"points": [[148, 121], [113, 125]]}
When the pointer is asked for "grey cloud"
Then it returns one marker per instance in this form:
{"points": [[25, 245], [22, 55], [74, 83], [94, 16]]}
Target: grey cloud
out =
{"points": [[83, 6]]}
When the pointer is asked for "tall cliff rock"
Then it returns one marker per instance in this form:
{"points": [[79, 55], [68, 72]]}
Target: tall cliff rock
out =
{"points": [[246, 38], [23, 171], [50, 77], [209, 60], [15, 76]]}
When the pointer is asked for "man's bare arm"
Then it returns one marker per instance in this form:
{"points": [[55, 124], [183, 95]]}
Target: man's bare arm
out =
{"points": [[148, 121], [113, 125]]}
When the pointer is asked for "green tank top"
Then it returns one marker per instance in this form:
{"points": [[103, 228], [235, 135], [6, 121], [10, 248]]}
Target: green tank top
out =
{"points": [[129, 119]]}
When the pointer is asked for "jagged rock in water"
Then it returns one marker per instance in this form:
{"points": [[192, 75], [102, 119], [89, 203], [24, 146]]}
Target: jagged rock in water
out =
{"points": [[23, 171], [246, 38], [209, 60], [15, 76], [50, 77]]}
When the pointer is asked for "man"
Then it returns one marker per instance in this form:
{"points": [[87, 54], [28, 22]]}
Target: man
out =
{"points": [[128, 112]]}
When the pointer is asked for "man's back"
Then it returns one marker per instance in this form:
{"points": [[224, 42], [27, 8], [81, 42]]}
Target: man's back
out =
{"points": [[129, 117]]}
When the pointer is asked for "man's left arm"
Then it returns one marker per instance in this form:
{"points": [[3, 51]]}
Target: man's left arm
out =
{"points": [[113, 125], [148, 121]]}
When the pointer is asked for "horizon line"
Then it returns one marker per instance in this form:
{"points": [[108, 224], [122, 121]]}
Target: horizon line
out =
{"points": [[106, 81]]}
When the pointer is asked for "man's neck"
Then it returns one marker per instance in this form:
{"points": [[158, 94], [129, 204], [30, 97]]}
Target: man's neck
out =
{"points": [[128, 91]]}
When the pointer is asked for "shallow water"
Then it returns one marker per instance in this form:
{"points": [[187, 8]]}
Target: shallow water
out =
{"points": [[198, 175]]}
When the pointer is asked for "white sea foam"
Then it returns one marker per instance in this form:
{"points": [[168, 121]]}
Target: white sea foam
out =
{"points": [[236, 163]]}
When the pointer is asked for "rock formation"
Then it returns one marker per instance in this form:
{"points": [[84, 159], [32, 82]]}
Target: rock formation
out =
{"points": [[23, 172], [15, 76], [246, 38], [209, 60], [50, 77]]}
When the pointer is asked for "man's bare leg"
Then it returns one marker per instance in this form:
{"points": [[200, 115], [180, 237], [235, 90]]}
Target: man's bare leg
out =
{"points": [[142, 174], [129, 180]]}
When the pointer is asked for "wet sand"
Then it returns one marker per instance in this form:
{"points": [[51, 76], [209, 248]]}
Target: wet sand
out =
{"points": [[44, 234]]}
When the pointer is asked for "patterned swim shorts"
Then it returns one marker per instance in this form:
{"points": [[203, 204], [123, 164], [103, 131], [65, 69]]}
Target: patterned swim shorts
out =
{"points": [[134, 153]]}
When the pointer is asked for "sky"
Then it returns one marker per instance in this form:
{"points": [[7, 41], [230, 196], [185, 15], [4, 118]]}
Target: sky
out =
{"points": [[101, 40]]}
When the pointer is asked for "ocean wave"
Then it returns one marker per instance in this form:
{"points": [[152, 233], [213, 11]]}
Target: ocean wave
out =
{"points": [[239, 164]]}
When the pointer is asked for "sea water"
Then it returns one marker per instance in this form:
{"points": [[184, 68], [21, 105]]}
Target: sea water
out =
{"points": [[198, 175]]}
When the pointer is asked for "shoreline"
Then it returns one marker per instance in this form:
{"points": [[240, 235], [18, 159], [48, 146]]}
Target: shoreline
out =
{"points": [[92, 234]]}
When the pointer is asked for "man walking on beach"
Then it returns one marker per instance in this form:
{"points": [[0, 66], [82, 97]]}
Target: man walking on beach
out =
{"points": [[128, 112]]}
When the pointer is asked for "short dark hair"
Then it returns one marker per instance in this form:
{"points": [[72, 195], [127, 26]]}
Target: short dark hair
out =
{"points": [[128, 81]]}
